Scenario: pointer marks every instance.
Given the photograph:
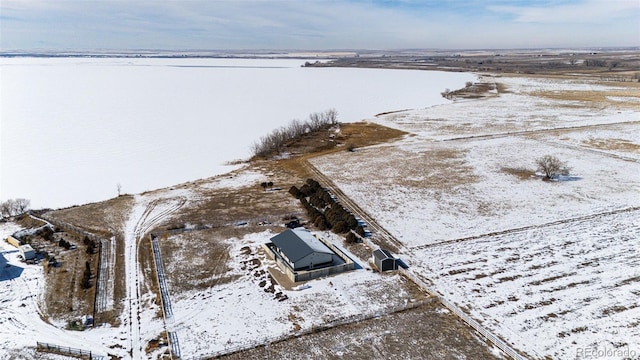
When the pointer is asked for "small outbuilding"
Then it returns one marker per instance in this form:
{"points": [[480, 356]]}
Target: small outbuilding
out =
{"points": [[13, 241], [27, 252], [384, 261]]}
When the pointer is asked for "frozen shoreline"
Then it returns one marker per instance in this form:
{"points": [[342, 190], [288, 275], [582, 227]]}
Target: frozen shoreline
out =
{"points": [[152, 123]]}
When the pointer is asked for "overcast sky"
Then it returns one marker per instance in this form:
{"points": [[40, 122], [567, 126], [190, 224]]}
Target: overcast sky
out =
{"points": [[317, 24]]}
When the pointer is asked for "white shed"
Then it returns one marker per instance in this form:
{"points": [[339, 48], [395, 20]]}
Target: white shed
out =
{"points": [[27, 252]]}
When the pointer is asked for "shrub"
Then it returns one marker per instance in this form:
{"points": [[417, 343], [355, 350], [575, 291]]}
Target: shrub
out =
{"points": [[339, 228], [293, 190], [552, 167]]}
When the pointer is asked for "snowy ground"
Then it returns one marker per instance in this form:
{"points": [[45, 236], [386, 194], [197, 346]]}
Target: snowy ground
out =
{"points": [[570, 286], [563, 270], [243, 312], [21, 325], [519, 110], [446, 191], [555, 261], [21, 286]]}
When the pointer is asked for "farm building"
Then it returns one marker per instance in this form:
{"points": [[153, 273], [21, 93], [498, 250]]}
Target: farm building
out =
{"points": [[303, 256], [301, 249], [384, 261], [27, 252], [13, 241]]}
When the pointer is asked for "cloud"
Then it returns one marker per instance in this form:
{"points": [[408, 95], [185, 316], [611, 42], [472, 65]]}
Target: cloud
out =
{"points": [[593, 11], [313, 24]]}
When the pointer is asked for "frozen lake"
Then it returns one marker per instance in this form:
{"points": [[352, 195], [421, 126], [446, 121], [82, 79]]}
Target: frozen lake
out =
{"points": [[71, 129]]}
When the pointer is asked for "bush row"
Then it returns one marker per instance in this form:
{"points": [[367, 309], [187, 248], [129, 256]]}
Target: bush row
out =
{"points": [[92, 245], [275, 142], [87, 276], [324, 211]]}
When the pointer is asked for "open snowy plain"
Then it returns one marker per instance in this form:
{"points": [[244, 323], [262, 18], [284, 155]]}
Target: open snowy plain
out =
{"points": [[550, 266]]}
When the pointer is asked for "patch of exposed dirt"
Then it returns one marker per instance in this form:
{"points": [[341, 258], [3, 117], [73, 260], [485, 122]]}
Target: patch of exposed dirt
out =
{"points": [[101, 218], [352, 136], [627, 97], [66, 298], [195, 260], [521, 173], [429, 331], [474, 91], [612, 144]]}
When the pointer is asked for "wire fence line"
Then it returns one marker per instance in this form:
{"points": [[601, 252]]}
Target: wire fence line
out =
{"points": [[499, 343], [167, 311]]}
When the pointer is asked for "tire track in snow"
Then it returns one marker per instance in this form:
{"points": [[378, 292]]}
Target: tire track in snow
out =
{"points": [[527, 228], [152, 215], [531, 132]]}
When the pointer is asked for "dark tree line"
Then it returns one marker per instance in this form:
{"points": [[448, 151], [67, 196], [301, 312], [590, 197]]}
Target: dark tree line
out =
{"points": [[266, 184], [65, 244], [87, 277], [324, 211], [275, 142], [92, 245]]}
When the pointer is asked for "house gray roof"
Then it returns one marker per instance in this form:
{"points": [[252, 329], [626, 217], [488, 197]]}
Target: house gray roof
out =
{"points": [[382, 254], [298, 243]]}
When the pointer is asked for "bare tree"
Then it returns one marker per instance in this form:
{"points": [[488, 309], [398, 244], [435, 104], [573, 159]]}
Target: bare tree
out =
{"points": [[277, 140], [5, 209], [22, 205], [552, 167], [119, 186], [14, 207]]}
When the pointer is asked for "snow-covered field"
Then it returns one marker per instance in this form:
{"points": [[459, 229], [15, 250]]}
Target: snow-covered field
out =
{"points": [[153, 123], [519, 110], [570, 286], [438, 192], [552, 261], [244, 312], [563, 269]]}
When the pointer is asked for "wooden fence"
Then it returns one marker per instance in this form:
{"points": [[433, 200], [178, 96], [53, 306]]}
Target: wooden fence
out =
{"points": [[68, 351]]}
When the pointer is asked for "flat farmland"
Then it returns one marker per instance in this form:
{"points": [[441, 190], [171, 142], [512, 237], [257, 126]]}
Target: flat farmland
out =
{"points": [[523, 105], [570, 286], [555, 261], [426, 193]]}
